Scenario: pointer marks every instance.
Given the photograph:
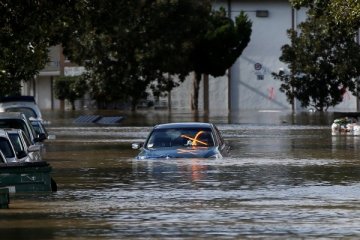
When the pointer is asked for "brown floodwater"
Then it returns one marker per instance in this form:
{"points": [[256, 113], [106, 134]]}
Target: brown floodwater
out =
{"points": [[287, 177]]}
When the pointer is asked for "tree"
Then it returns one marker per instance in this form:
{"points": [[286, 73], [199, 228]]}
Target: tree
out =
{"points": [[219, 47], [131, 45], [26, 33], [345, 12], [70, 88], [323, 59]]}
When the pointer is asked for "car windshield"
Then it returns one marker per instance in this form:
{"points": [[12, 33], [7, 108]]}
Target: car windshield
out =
{"points": [[180, 137]]}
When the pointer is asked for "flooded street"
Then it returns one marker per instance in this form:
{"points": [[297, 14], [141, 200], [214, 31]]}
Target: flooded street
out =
{"points": [[287, 177]]}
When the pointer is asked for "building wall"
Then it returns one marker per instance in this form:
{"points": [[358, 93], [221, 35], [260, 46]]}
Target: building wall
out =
{"points": [[44, 98], [252, 86]]}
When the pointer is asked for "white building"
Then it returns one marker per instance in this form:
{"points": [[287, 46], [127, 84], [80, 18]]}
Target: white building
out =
{"points": [[248, 85]]}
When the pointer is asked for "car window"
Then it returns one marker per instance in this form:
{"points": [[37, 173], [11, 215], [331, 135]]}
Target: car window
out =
{"points": [[6, 148], [2, 158], [14, 123], [16, 142], [181, 137], [27, 111], [31, 129], [26, 139], [38, 127]]}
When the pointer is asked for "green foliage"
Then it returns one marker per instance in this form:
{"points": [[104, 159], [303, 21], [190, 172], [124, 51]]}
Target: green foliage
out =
{"points": [[222, 43], [317, 5], [344, 12], [129, 46], [70, 88], [218, 48], [27, 29], [324, 61]]}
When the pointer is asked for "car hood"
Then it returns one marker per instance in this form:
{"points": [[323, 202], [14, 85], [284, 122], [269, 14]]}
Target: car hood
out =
{"points": [[190, 152]]}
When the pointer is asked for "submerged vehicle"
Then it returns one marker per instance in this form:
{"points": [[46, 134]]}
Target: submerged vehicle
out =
{"points": [[8, 150], [183, 140], [23, 146], [39, 128], [348, 125], [20, 121], [24, 104]]}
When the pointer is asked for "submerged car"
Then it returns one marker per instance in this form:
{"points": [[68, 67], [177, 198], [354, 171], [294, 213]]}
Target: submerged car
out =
{"points": [[23, 146], [8, 150], [39, 128], [20, 121], [183, 140], [24, 104]]}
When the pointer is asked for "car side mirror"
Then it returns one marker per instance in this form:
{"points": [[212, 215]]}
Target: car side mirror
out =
{"points": [[41, 137], [34, 148], [51, 137], [136, 146]]}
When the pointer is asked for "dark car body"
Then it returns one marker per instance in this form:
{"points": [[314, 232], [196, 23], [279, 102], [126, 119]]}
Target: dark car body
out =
{"points": [[183, 140]]}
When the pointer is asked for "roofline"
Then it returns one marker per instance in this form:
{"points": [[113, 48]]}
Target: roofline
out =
{"points": [[183, 124]]}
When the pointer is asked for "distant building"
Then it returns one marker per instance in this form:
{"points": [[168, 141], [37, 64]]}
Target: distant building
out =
{"points": [[248, 85], [42, 86]]}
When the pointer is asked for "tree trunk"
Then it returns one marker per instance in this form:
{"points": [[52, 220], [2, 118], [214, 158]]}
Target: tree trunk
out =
{"points": [[133, 105], [62, 104], [169, 100], [72, 102], [195, 94]]}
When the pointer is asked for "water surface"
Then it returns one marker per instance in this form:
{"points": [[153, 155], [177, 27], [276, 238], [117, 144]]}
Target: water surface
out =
{"points": [[286, 178]]}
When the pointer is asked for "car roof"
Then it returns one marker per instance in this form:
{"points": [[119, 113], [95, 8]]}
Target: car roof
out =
{"points": [[16, 104], [20, 102], [18, 99], [12, 115], [184, 125], [31, 105], [13, 130]]}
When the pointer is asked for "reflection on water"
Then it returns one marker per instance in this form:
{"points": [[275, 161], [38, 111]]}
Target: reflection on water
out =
{"points": [[282, 181]]}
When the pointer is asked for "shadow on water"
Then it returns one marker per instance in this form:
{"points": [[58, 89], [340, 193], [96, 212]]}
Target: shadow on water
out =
{"points": [[287, 177]]}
